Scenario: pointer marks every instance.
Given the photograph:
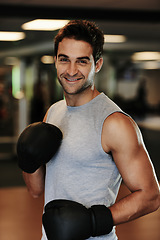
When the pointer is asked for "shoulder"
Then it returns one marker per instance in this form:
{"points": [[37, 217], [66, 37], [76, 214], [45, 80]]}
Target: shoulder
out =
{"points": [[53, 108], [120, 130], [119, 119]]}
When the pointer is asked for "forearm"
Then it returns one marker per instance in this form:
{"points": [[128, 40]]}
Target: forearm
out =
{"points": [[35, 181], [133, 206]]}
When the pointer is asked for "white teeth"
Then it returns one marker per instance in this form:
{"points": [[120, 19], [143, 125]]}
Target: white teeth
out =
{"points": [[72, 80]]}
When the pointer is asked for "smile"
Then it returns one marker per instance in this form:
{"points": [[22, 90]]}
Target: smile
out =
{"points": [[73, 79]]}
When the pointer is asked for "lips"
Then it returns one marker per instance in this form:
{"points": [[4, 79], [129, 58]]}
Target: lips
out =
{"points": [[73, 79]]}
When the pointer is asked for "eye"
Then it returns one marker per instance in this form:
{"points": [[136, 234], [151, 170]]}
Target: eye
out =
{"points": [[63, 59], [82, 61]]}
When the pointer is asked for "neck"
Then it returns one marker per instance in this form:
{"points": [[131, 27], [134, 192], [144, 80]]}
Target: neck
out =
{"points": [[82, 98]]}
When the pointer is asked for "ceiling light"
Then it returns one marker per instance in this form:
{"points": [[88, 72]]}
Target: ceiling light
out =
{"points": [[114, 38], [47, 59], [11, 36], [146, 56], [151, 65], [44, 24]]}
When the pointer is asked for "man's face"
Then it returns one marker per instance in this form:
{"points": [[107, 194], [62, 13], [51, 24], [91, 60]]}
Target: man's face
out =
{"points": [[75, 65]]}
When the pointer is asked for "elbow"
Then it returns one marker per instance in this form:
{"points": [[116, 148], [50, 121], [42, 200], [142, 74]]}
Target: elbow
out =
{"points": [[36, 193], [155, 201]]}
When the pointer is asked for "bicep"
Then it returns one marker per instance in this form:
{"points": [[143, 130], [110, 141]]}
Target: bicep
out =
{"points": [[130, 155], [135, 168]]}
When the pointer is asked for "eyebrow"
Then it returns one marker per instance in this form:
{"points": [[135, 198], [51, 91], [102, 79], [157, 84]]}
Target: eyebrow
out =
{"points": [[62, 55], [79, 58], [85, 57]]}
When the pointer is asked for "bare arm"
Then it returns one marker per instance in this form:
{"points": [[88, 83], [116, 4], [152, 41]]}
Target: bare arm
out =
{"points": [[122, 137], [35, 182]]}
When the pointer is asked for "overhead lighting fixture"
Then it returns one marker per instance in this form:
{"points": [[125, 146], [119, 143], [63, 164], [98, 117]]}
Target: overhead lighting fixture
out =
{"points": [[44, 24], [11, 36], [151, 65], [146, 56], [114, 38], [46, 59]]}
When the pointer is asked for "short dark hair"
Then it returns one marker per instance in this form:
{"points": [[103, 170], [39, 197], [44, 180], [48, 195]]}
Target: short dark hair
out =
{"points": [[82, 30]]}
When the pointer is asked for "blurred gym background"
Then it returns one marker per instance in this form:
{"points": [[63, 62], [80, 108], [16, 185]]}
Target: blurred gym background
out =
{"points": [[28, 86]]}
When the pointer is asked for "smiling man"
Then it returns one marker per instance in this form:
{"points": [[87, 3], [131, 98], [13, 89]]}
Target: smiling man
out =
{"points": [[101, 146], [76, 69]]}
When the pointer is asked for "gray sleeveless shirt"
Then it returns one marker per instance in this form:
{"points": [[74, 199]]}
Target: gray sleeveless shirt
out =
{"points": [[81, 170]]}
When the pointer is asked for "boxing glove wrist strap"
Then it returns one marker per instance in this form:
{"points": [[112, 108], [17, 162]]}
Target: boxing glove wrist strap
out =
{"points": [[102, 220]]}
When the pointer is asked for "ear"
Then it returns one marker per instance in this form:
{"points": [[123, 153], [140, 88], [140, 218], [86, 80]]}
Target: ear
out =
{"points": [[55, 61], [99, 64]]}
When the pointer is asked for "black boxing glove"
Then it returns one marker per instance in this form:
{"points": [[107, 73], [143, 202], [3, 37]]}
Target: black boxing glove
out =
{"points": [[69, 220], [37, 144]]}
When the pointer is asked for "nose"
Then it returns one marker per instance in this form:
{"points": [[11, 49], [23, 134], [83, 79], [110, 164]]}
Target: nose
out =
{"points": [[72, 69]]}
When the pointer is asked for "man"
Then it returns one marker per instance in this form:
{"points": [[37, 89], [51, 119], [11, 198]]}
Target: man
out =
{"points": [[101, 145]]}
